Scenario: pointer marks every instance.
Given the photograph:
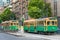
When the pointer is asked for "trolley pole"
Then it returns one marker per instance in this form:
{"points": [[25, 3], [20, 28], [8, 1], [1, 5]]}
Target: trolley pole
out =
{"points": [[22, 30]]}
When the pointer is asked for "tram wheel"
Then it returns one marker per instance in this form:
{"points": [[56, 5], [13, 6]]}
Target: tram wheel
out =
{"points": [[38, 32], [25, 30], [41, 32], [49, 33]]}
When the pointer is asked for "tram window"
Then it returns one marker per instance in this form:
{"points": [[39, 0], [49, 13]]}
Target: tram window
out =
{"points": [[55, 23], [45, 21], [31, 23], [25, 23], [48, 23], [17, 23], [52, 22], [40, 23], [14, 23], [11, 23], [6, 23]]}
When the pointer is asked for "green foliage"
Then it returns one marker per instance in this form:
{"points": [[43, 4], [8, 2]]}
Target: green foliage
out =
{"points": [[34, 12], [0, 20], [12, 16], [6, 15], [47, 10], [38, 8]]}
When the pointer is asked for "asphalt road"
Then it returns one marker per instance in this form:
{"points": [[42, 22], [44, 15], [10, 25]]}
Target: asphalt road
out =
{"points": [[4, 36], [46, 37]]}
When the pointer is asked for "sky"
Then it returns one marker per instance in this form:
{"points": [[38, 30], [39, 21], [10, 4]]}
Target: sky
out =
{"points": [[4, 0], [13, 0]]}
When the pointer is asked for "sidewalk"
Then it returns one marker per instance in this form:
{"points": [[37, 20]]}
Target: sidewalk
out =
{"points": [[16, 34]]}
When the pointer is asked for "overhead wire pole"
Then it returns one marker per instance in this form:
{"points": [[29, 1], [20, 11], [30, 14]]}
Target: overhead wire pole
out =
{"points": [[55, 7]]}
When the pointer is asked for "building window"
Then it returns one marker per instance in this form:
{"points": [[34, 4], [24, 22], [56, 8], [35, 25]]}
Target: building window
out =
{"points": [[55, 0], [26, 5], [23, 13], [19, 8], [23, 1], [19, 3], [23, 7]]}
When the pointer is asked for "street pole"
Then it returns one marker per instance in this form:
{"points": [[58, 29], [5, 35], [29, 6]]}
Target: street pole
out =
{"points": [[55, 7], [22, 20]]}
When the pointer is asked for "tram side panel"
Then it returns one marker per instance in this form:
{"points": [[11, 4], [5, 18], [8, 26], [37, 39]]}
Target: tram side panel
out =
{"points": [[40, 27]]}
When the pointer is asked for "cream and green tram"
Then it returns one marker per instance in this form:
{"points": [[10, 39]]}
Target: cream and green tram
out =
{"points": [[12, 25], [46, 26], [29, 25], [41, 25]]}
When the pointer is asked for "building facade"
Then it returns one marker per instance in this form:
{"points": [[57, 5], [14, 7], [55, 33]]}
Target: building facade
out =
{"points": [[58, 8], [24, 8], [52, 5], [6, 2], [3, 4], [55, 5], [20, 8], [15, 8], [1, 9]]}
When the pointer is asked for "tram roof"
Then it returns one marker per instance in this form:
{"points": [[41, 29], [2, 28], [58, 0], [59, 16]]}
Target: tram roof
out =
{"points": [[9, 21], [5, 22], [30, 20], [34, 20], [40, 19]]}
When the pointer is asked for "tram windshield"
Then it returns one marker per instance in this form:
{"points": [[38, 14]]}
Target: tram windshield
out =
{"points": [[54, 22], [40, 23], [33, 23], [51, 22], [48, 22], [30, 22]]}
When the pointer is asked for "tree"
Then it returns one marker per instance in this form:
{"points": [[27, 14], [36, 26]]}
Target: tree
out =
{"points": [[12, 16], [34, 12], [0, 21], [47, 10], [6, 14], [38, 8]]}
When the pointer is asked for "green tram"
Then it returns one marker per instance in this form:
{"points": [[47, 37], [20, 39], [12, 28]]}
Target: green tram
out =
{"points": [[11, 25], [44, 25]]}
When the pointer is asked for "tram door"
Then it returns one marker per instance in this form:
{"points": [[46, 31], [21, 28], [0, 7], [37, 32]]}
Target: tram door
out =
{"points": [[58, 24]]}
